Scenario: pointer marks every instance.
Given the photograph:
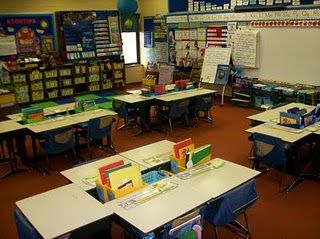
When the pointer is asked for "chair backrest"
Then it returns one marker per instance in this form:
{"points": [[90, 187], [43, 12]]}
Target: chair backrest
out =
{"points": [[187, 226], [204, 103], [179, 108], [99, 127], [269, 150], [120, 108], [229, 206], [59, 140], [24, 228]]}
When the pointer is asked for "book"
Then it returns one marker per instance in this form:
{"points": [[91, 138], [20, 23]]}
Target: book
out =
{"points": [[199, 154], [180, 145], [129, 177], [102, 178], [183, 154]]}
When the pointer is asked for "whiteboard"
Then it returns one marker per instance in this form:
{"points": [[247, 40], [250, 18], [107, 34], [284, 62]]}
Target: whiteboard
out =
{"points": [[290, 55], [212, 58]]}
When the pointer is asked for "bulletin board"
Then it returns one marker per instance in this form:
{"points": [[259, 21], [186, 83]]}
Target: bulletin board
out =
{"points": [[89, 34], [30, 33]]}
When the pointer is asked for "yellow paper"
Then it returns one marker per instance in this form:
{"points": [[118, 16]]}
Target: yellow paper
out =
{"points": [[126, 178]]}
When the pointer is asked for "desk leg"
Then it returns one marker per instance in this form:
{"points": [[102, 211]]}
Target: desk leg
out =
{"points": [[299, 176], [36, 161], [109, 146], [12, 157]]}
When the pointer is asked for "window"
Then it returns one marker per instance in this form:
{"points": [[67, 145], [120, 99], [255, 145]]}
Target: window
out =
{"points": [[130, 47], [130, 39]]}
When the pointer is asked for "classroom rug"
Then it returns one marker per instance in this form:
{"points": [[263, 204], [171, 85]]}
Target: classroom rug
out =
{"points": [[106, 105], [44, 104], [87, 97], [65, 100], [103, 99]]}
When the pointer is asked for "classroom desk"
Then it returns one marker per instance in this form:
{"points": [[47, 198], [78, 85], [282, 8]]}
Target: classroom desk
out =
{"points": [[160, 149], [288, 135], [62, 210], [273, 115], [88, 115], [189, 194], [161, 209], [17, 116], [293, 138], [78, 174], [215, 182], [132, 98], [8, 126], [51, 124], [11, 138], [184, 94], [61, 108]]}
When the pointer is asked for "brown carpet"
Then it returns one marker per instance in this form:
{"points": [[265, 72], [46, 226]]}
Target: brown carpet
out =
{"points": [[275, 215]]}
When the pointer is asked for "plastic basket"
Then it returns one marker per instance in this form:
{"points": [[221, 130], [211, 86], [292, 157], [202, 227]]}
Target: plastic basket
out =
{"points": [[65, 72], [51, 73], [107, 85], [94, 77], [117, 65], [51, 84], [67, 82], [53, 94], [149, 82], [35, 75], [19, 78], [37, 86], [79, 80], [37, 95], [93, 69], [153, 176], [94, 87], [67, 91]]}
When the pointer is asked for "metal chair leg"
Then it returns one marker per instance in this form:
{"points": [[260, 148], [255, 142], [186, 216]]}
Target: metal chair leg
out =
{"points": [[170, 124]]}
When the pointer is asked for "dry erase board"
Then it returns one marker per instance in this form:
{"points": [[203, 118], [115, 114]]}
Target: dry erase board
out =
{"points": [[288, 54]]}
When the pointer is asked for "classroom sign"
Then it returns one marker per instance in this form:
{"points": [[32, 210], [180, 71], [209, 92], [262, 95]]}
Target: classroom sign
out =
{"points": [[33, 33]]}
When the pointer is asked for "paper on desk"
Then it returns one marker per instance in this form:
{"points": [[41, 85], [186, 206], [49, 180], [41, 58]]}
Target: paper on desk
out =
{"points": [[90, 180], [148, 193]]}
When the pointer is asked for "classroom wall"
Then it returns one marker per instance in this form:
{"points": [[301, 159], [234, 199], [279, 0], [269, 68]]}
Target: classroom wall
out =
{"points": [[150, 8], [145, 8], [134, 73], [21, 6]]}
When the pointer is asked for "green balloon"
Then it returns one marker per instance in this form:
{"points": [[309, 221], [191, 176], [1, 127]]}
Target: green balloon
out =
{"points": [[128, 23]]}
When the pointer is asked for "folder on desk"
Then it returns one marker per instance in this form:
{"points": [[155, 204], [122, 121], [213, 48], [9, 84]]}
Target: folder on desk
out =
{"points": [[180, 145], [199, 155], [103, 179], [126, 180]]}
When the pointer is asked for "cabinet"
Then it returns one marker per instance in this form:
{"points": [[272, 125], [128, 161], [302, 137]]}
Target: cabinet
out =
{"points": [[37, 84], [118, 73]]}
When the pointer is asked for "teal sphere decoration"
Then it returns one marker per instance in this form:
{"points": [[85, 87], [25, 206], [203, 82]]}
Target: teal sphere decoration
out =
{"points": [[127, 8]]}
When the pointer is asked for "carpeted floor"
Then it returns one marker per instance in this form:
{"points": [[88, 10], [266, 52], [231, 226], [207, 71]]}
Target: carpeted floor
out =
{"points": [[293, 215]]}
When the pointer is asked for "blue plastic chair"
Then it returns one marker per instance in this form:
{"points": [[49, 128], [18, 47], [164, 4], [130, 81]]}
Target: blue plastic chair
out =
{"points": [[24, 228], [164, 234], [124, 112], [225, 210], [175, 110], [97, 129], [203, 104], [59, 141], [269, 151]]}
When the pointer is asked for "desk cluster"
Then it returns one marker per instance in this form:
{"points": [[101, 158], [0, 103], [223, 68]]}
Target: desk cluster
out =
{"points": [[60, 211]]}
